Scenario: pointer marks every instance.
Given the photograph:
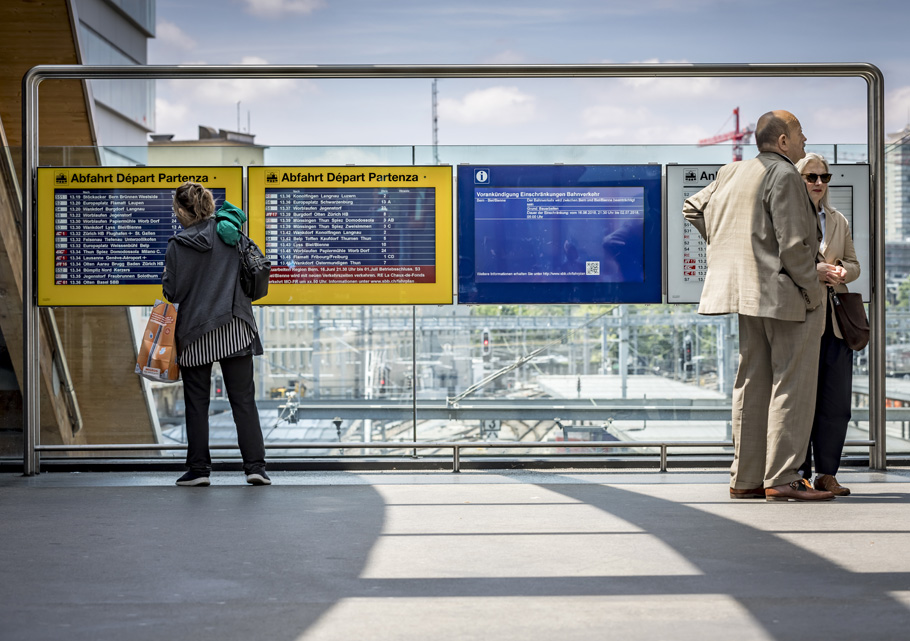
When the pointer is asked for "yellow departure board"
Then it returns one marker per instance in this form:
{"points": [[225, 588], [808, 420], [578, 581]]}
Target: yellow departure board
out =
{"points": [[354, 235], [103, 231]]}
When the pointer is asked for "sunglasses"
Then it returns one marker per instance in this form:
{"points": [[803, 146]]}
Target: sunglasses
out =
{"points": [[811, 178]]}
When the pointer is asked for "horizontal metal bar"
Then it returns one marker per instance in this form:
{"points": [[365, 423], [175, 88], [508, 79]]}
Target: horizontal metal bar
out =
{"points": [[309, 404], [379, 445], [630, 70], [542, 413], [530, 409]]}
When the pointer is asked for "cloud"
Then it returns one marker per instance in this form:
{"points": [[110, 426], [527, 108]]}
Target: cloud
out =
{"points": [[671, 87], [170, 35], [836, 121], [248, 90], [493, 106], [277, 8], [171, 117], [610, 124], [507, 57], [348, 156]]}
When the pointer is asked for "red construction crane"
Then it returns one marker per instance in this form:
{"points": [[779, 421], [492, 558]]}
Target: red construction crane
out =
{"points": [[739, 138]]}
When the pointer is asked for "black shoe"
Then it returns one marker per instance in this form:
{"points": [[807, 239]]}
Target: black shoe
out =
{"points": [[258, 477], [192, 478]]}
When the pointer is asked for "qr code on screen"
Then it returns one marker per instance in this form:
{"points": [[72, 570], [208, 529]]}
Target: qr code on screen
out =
{"points": [[592, 268]]}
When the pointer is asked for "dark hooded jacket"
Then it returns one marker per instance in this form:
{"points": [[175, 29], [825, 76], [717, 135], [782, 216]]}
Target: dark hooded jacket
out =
{"points": [[201, 275]]}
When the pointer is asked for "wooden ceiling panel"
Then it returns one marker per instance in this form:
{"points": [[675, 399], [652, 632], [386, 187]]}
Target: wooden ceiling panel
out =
{"points": [[34, 32]]}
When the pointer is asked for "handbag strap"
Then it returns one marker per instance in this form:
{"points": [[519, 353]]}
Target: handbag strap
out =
{"points": [[240, 241], [833, 296]]}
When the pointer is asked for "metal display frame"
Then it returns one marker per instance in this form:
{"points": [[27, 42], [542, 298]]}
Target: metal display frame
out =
{"points": [[30, 133]]}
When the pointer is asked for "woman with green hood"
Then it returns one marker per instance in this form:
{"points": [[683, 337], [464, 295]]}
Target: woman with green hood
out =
{"points": [[214, 323]]}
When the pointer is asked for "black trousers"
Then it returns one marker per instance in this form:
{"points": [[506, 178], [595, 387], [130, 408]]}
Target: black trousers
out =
{"points": [[238, 381], [832, 405]]}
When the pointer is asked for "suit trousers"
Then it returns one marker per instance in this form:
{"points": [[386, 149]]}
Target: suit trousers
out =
{"points": [[238, 381], [832, 405], [774, 398]]}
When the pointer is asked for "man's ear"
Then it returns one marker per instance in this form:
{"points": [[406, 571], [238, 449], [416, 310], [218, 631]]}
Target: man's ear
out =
{"points": [[783, 142]]}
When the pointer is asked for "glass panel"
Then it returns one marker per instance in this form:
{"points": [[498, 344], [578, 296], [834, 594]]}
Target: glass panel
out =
{"points": [[132, 99], [897, 288], [11, 442], [555, 374]]}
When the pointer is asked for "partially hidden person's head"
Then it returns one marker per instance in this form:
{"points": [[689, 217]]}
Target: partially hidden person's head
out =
{"points": [[815, 171], [780, 131], [193, 203]]}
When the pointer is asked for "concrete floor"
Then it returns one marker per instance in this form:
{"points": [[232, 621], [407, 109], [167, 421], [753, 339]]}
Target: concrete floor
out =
{"points": [[435, 556]]}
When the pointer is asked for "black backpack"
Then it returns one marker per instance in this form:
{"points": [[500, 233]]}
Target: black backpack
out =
{"points": [[254, 269]]}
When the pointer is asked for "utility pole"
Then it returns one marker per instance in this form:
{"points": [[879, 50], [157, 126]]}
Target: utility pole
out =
{"points": [[620, 310]]}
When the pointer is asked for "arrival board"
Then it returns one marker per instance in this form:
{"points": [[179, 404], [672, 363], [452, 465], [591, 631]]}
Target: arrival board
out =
{"points": [[354, 235], [687, 257], [103, 232]]}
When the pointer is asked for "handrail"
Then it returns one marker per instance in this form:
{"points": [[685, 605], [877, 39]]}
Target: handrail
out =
{"points": [[867, 71], [456, 447], [875, 140]]}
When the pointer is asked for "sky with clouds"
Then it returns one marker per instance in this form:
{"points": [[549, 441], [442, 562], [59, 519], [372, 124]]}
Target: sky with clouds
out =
{"points": [[562, 111]]}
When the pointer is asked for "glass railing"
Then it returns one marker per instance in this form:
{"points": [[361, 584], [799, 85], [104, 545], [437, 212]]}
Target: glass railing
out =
{"points": [[616, 375]]}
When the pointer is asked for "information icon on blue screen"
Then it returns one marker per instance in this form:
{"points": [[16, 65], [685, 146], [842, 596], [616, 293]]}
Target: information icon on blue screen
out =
{"points": [[481, 176]]}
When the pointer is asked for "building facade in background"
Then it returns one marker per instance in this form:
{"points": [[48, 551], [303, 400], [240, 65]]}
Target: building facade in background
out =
{"points": [[116, 32], [897, 186], [214, 148]]}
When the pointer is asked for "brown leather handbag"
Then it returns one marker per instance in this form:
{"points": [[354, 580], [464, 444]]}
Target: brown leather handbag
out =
{"points": [[851, 318]]}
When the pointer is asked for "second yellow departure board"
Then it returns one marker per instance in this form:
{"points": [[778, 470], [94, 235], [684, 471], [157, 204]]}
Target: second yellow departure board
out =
{"points": [[354, 235]]}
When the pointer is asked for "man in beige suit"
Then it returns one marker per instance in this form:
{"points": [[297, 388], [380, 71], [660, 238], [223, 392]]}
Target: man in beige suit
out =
{"points": [[763, 238]]}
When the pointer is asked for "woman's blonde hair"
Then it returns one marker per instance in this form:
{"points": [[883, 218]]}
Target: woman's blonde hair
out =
{"points": [[801, 165], [195, 200]]}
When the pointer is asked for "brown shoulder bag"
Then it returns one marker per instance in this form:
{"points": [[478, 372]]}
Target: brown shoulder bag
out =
{"points": [[851, 318]]}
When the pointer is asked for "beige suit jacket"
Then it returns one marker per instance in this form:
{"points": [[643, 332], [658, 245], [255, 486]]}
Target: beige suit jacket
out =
{"points": [[763, 238], [837, 249]]}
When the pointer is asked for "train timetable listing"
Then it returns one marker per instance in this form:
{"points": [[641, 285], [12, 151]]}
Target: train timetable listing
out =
{"points": [[351, 235], [694, 265], [112, 236]]}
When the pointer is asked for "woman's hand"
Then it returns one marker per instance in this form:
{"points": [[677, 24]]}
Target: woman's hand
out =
{"points": [[831, 274]]}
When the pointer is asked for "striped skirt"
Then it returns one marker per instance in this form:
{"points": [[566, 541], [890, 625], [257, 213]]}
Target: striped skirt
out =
{"points": [[217, 344]]}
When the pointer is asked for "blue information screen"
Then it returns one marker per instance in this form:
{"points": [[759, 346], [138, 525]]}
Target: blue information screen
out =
{"points": [[559, 234]]}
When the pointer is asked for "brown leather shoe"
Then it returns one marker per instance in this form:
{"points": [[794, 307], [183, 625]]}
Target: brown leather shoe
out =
{"points": [[828, 483], [754, 493], [797, 491]]}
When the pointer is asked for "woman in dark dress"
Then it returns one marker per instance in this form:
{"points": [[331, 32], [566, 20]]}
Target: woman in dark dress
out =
{"points": [[214, 323], [835, 365]]}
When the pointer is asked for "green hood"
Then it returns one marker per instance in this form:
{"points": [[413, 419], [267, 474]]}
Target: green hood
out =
{"points": [[230, 222]]}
